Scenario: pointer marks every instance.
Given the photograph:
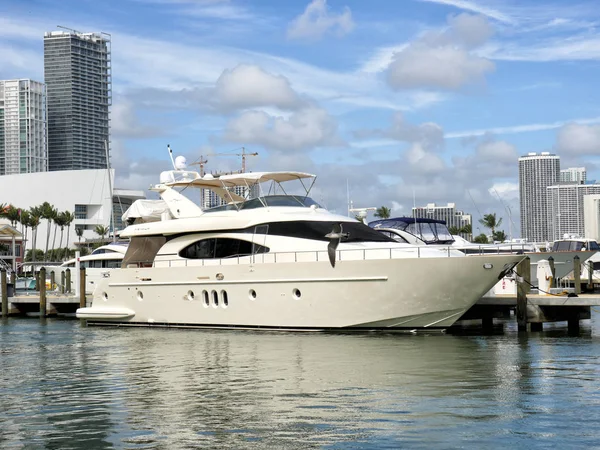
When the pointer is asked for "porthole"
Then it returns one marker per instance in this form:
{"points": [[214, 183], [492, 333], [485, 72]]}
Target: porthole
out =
{"points": [[140, 296], [105, 296], [215, 297], [252, 294], [296, 293], [225, 299], [190, 296], [205, 299]]}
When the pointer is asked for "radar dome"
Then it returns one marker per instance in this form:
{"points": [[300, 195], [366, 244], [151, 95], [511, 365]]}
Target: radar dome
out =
{"points": [[180, 163], [208, 176]]}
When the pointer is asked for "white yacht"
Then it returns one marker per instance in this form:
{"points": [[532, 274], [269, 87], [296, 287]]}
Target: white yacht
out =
{"points": [[281, 261], [98, 263], [423, 231]]}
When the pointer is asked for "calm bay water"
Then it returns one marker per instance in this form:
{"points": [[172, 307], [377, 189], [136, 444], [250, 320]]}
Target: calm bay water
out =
{"points": [[64, 386]]}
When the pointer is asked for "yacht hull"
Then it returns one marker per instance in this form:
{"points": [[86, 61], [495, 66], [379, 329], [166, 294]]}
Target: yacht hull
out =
{"points": [[404, 293]]}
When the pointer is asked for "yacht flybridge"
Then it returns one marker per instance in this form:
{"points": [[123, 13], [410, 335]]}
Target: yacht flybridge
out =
{"points": [[272, 259]]}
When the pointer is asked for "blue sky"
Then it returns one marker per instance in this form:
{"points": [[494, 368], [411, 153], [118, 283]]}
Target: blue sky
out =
{"points": [[403, 101]]}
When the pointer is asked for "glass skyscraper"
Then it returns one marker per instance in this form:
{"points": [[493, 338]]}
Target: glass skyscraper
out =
{"points": [[23, 146], [77, 72]]}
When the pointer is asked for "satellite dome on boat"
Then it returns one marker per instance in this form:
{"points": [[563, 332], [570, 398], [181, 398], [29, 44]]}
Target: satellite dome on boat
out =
{"points": [[180, 162]]}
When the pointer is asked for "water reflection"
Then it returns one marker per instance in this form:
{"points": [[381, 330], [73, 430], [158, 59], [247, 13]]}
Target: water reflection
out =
{"points": [[63, 386]]}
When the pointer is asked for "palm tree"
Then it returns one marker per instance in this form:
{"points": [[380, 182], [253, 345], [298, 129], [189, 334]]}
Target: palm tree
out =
{"points": [[357, 217], [79, 232], [60, 223], [25, 220], [49, 213], [101, 231], [35, 215], [454, 230], [383, 212], [490, 221], [12, 214], [68, 217], [500, 236], [481, 239]]}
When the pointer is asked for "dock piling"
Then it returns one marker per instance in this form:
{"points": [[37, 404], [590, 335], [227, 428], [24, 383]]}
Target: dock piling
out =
{"points": [[62, 283], [553, 270], [68, 280], [52, 280], [4, 292], [590, 286], [577, 273], [82, 287], [42, 286], [521, 297]]}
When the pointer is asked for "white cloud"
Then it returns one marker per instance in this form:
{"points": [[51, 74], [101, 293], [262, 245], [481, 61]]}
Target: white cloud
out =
{"points": [[125, 123], [577, 139], [497, 151], [316, 21], [303, 130], [506, 190], [429, 135], [520, 128], [474, 7], [443, 59], [248, 86]]}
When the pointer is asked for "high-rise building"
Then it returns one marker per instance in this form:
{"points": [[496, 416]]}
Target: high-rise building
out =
{"points": [[448, 213], [78, 84], [536, 173], [591, 213], [211, 200], [567, 208], [573, 175], [23, 147]]}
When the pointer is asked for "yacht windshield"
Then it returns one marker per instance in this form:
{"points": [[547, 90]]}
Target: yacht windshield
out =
{"points": [[429, 231], [269, 200]]}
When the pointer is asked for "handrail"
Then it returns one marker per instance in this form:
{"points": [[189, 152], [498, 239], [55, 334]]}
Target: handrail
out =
{"points": [[359, 254]]}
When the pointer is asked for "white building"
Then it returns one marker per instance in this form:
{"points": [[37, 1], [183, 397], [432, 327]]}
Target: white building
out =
{"points": [[591, 214], [566, 202], [85, 193], [210, 199], [573, 175], [536, 173], [447, 213], [23, 145]]}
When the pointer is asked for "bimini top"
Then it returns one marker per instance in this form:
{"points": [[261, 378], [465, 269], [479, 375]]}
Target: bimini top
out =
{"points": [[231, 180], [430, 231]]}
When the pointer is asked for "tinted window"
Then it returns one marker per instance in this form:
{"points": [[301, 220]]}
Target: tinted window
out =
{"points": [[220, 248], [594, 245], [356, 231]]}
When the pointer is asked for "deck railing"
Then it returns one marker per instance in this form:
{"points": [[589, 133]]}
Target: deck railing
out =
{"points": [[424, 251]]}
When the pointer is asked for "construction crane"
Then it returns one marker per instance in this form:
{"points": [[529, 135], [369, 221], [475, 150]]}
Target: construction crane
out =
{"points": [[243, 155], [200, 163]]}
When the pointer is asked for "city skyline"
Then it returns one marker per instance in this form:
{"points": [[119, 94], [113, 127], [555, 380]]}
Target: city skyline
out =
{"points": [[78, 80], [325, 87]]}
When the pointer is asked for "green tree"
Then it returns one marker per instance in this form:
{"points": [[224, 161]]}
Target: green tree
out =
{"points": [[101, 231], [383, 212], [454, 230], [68, 217], [12, 214], [500, 236], [490, 221], [481, 239], [60, 222], [35, 215], [49, 213], [79, 233]]}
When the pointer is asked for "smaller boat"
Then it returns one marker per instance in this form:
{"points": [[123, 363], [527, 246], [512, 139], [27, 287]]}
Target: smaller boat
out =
{"points": [[99, 263]]}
